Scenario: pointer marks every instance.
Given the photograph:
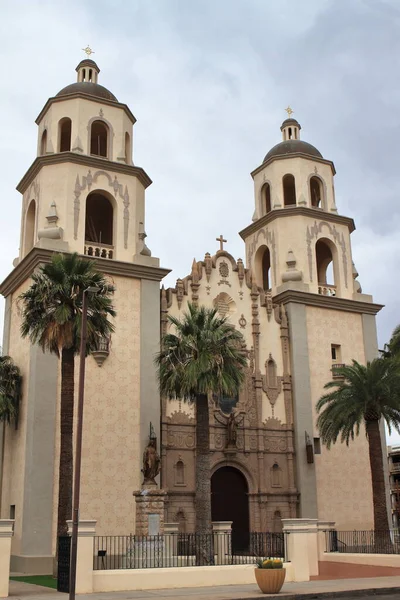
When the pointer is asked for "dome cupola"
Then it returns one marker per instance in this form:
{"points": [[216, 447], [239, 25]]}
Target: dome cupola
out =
{"points": [[291, 142]]}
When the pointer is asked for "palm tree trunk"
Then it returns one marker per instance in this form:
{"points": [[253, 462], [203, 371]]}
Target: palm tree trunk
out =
{"points": [[204, 550], [66, 441], [381, 521]]}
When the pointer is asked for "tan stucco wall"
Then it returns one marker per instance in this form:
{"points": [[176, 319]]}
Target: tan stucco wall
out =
{"points": [[343, 473], [111, 453], [15, 440]]}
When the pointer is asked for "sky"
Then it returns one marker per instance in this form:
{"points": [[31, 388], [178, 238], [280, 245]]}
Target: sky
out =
{"points": [[208, 81]]}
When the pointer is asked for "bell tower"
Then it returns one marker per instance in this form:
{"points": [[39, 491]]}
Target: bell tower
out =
{"points": [[298, 249], [83, 193]]}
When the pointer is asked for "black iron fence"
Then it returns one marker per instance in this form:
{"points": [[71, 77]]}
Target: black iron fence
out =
{"points": [[183, 550], [63, 562], [364, 542]]}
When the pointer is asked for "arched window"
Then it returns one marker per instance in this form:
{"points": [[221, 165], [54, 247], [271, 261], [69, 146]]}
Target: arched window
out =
{"points": [[99, 219], [277, 522], [325, 257], [64, 133], [271, 373], [30, 227], [262, 263], [276, 475], [289, 191], [128, 153], [179, 473], [316, 192], [99, 139], [43, 143], [266, 196]]}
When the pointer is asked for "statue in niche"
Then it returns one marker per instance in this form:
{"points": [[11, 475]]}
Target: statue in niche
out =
{"points": [[151, 463], [231, 426]]}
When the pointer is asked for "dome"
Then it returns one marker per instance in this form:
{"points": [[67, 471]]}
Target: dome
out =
{"points": [[292, 147], [89, 88]]}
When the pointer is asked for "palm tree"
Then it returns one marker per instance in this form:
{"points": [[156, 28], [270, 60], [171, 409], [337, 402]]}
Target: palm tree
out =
{"points": [[202, 357], [10, 385], [51, 317], [392, 349], [365, 395]]}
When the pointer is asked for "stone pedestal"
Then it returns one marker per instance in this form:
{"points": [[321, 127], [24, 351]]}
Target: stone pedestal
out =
{"points": [[150, 510], [222, 531], [6, 533], [84, 562]]}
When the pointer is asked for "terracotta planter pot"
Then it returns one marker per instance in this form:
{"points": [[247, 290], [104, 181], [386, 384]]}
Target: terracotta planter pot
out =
{"points": [[270, 581]]}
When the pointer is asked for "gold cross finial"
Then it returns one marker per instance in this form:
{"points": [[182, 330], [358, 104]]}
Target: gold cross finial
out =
{"points": [[88, 51], [221, 241], [289, 111]]}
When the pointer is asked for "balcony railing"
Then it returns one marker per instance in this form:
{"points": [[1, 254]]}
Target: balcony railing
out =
{"points": [[335, 370], [326, 290], [99, 250], [395, 467]]}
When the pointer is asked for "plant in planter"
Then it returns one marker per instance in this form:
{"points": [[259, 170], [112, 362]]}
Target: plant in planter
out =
{"points": [[270, 575]]}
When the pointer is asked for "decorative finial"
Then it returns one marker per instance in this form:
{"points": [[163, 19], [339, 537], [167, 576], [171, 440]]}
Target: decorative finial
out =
{"points": [[221, 241], [88, 51], [289, 111]]}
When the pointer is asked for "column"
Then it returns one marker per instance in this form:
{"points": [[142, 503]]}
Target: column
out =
{"points": [[84, 563], [222, 531], [323, 528], [302, 552], [6, 533]]}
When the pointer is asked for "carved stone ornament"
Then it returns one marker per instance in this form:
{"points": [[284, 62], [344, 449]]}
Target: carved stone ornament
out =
{"points": [[224, 304], [102, 352], [242, 322], [151, 463]]}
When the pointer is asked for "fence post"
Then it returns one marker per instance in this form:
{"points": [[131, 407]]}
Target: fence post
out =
{"points": [[84, 563], [301, 539], [222, 531], [171, 532], [323, 528], [6, 533]]}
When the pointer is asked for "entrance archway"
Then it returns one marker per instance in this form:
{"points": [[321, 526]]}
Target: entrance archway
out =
{"points": [[230, 502]]}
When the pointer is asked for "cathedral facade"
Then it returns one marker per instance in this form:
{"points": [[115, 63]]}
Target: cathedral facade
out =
{"points": [[295, 298]]}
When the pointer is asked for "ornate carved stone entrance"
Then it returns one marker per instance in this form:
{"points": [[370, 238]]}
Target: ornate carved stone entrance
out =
{"points": [[229, 502]]}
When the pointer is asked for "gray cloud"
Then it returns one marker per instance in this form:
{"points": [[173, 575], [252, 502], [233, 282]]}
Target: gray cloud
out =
{"points": [[208, 82]]}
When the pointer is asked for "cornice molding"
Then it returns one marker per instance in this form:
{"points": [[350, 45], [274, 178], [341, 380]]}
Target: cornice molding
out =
{"points": [[294, 211], [329, 302], [81, 159], [294, 155], [38, 256], [50, 101]]}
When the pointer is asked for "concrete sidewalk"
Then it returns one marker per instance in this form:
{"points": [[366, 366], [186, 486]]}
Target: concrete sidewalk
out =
{"points": [[345, 588]]}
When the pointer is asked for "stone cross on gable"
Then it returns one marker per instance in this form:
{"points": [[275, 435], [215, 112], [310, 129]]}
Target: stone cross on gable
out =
{"points": [[221, 241]]}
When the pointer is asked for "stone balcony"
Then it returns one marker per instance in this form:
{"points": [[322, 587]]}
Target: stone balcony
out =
{"points": [[99, 250], [335, 373]]}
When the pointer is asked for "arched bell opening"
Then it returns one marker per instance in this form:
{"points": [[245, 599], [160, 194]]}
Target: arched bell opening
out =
{"points": [[262, 263], [289, 190], [43, 143], [99, 137], [99, 225], [30, 223], [266, 198], [327, 267], [128, 150], [64, 135], [316, 192]]}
